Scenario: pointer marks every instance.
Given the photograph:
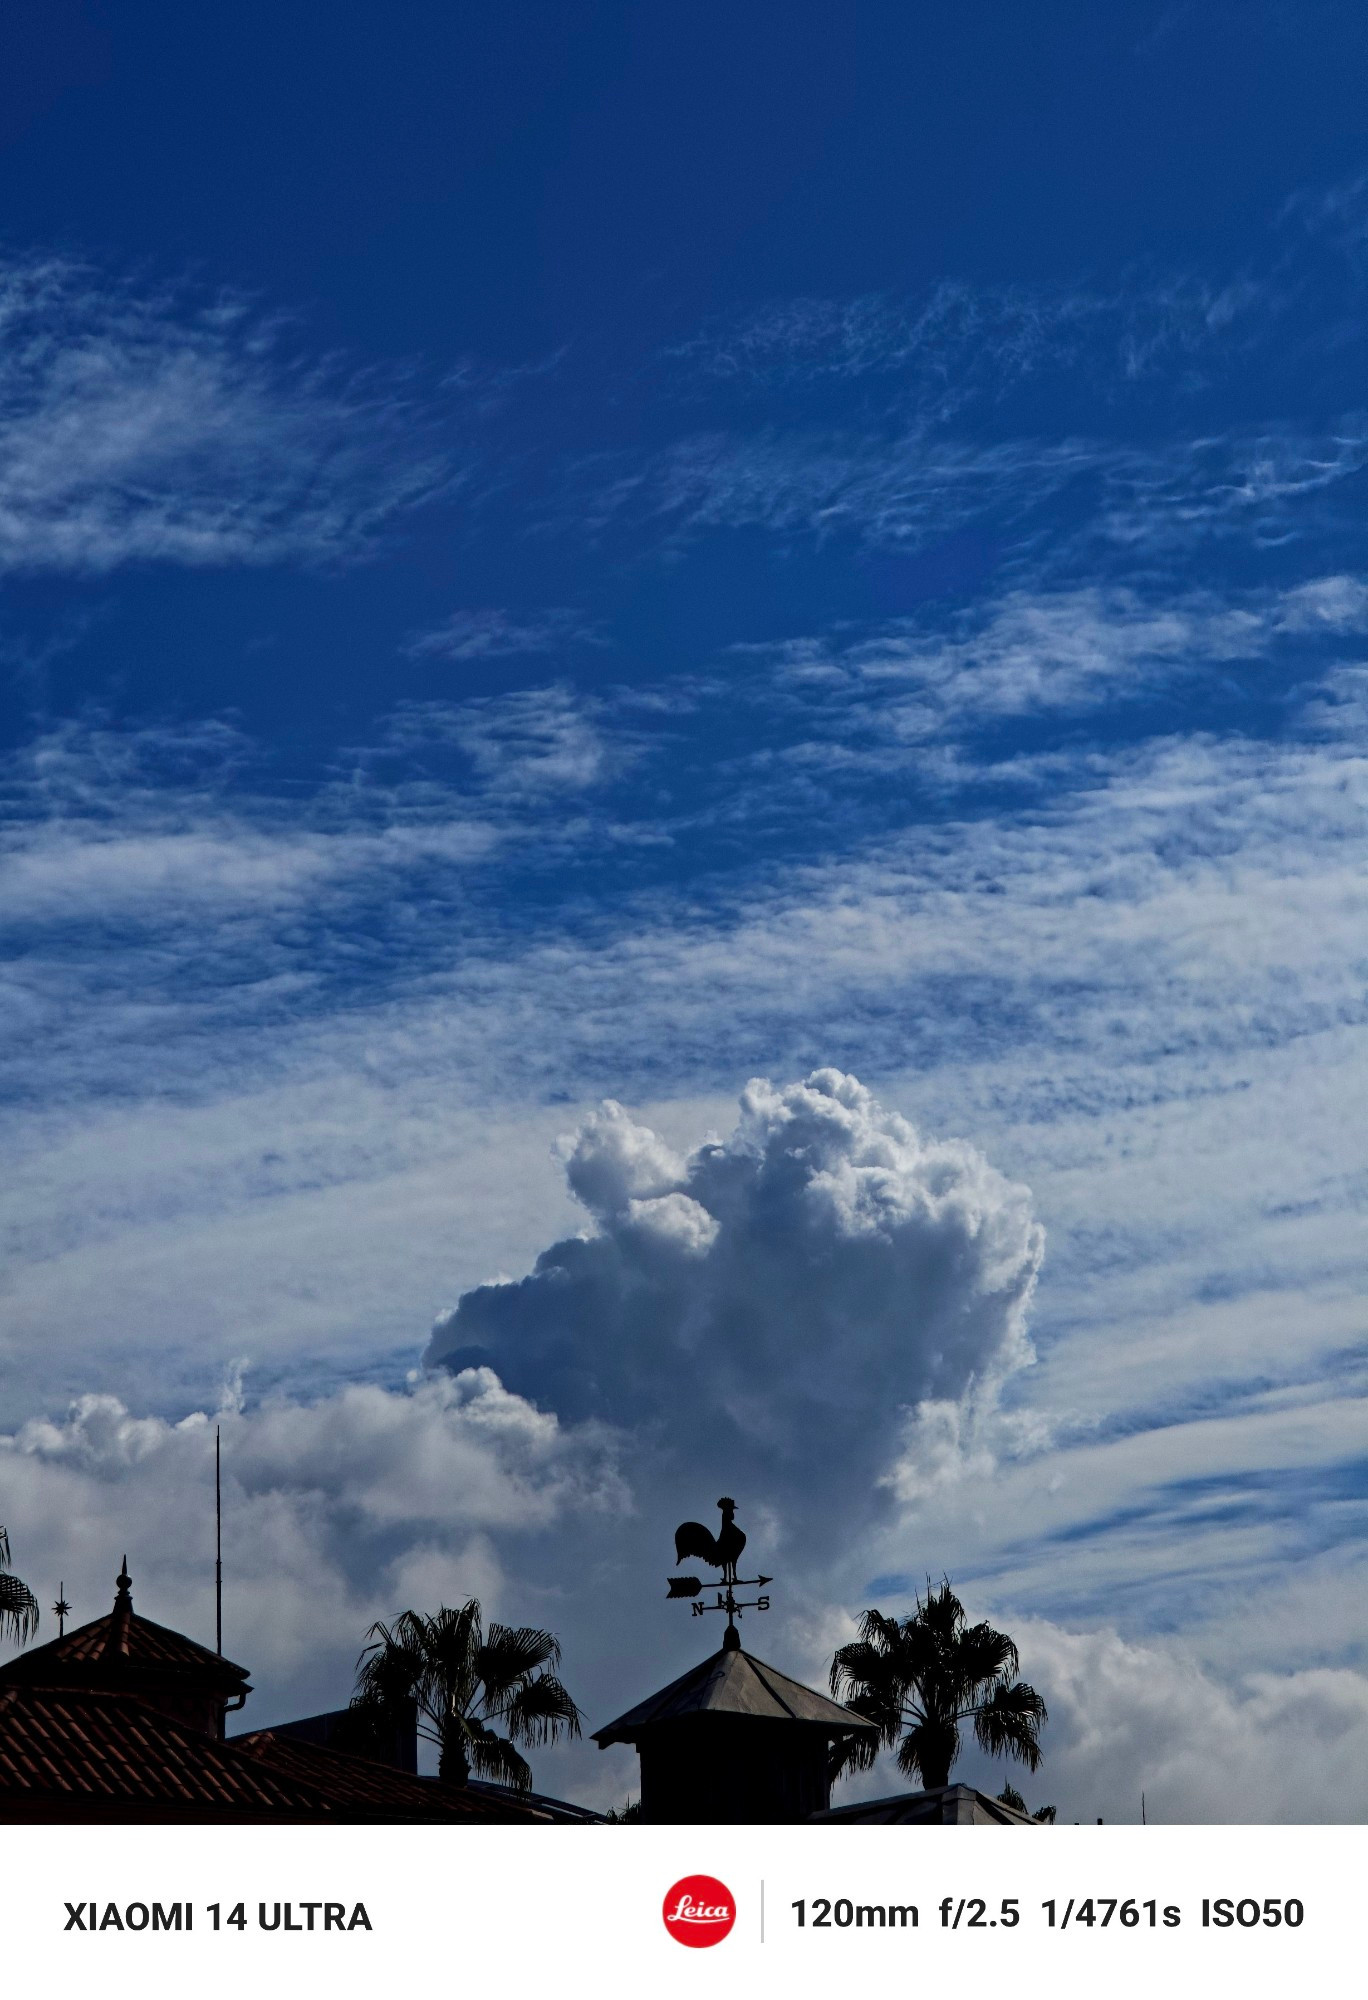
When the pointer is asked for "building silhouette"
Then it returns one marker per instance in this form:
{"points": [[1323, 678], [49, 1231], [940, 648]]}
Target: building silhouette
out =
{"points": [[122, 1721], [733, 1743]]}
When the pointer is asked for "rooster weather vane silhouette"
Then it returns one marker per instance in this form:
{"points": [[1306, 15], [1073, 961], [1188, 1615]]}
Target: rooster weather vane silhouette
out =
{"points": [[723, 1551]]}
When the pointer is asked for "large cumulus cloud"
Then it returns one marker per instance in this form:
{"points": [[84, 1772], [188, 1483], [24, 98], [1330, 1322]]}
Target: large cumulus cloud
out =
{"points": [[775, 1304]]}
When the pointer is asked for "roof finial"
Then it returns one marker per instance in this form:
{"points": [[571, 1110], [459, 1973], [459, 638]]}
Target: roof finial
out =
{"points": [[62, 1610], [120, 1618]]}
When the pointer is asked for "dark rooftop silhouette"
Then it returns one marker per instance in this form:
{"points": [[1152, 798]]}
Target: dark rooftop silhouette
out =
{"points": [[733, 1682], [130, 1654]]}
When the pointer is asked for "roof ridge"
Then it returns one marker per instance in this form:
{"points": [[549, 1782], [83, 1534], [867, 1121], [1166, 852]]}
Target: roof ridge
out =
{"points": [[762, 1672]]}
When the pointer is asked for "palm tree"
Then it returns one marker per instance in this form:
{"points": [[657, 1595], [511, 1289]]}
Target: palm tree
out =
{"points": [[921, 1678], [18, 1605], [462, 1682]]}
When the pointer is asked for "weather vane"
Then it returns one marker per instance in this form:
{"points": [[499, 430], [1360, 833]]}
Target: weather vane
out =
{"points": [[723, 1551]]}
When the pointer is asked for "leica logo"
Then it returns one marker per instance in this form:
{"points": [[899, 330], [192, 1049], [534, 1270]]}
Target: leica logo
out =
{"points": [[699, 1910], [687, 1911]]}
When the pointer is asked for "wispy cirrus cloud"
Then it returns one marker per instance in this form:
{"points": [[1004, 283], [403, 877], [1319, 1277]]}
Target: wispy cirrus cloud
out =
{"points": [[961, 343], [494, 634], [141, 423], [518, 746], [1266, 487], [1337, 214]]}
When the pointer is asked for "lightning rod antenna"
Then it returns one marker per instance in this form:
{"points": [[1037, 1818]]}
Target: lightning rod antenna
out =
{"points": [[218, 1543]]}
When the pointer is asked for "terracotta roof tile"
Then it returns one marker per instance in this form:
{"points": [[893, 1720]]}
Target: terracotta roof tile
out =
{"points": [[359, 1787], [76, 1751], [145, 1644]]}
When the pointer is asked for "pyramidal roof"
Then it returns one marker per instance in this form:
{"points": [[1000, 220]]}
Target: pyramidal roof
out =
{"points": [[120, 1641], [733, 1682]]}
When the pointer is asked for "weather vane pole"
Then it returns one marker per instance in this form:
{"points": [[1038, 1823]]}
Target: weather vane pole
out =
{"points": [[723, 1551]]}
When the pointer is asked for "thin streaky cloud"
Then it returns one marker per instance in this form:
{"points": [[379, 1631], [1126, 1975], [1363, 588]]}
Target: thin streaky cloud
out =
{"points": [[493, 634], [910, 491], [518, 746], [141, 425], [962, 343]]}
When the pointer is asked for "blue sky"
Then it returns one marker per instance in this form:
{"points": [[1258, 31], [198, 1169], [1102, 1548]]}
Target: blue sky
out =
{"points": [[578, 554]]}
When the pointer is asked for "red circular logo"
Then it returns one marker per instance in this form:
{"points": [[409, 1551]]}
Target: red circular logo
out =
{"points": [[699, 1910]]}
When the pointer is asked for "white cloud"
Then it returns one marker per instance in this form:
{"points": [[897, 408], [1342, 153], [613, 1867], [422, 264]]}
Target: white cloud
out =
{"points": [[783, 1304], [335, 1512], [912, 485], [519, 745], [147, 825], [962, 343], [1037, 653], [1128, 1717], [1327, 603], [492, 634], [145, 426]]}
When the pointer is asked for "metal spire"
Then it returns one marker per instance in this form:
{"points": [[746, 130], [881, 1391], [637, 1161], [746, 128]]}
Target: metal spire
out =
{"points": [[61, 1610], [218, 1544]]}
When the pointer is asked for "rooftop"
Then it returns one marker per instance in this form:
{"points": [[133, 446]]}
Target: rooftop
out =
{"points": [[83, 1753], [733, 1682], [946, 1805], [359, 1788], [120, 1641]]}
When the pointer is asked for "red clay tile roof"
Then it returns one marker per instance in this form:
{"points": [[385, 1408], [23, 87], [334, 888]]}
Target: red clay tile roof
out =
{"points": [[74, 1753], [359, 1787], [139, 1644]]}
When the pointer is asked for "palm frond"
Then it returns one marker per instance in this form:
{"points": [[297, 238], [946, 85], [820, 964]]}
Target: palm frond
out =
{"points": [[390, 1668], [861, 1663], [870, 1675], [540, 1711], [1008, 1723], [856, 1752], [880, 1632], [18, 1610], [493, 1756], [511, 1653], [984, 1656], [4, 1550], [940, 1613]]}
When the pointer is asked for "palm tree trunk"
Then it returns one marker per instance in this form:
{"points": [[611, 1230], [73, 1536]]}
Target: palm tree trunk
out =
{"points": [[937, 1753], [453, 1766]]}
